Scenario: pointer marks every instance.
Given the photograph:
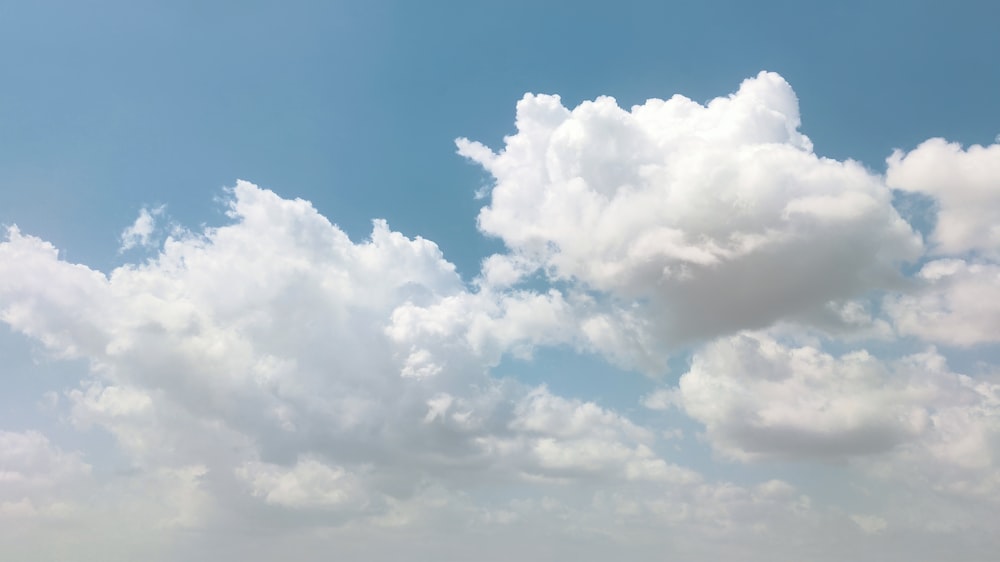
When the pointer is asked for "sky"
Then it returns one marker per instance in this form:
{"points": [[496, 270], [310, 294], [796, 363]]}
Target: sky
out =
{"points": [[490, 281]]}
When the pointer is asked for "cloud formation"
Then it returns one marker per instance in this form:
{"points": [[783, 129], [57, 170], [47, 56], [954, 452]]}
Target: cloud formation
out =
{"points": [[273, 363], [274, 386], [963, 184], [712, 218], [958, 304], [140, 233], [759, 398]]}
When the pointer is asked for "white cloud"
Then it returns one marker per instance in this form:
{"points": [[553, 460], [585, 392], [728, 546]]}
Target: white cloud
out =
{"points": [[272, 363], [271, 374], [909, 419], [912, 437], [33, 472], [758, 398], [50, 300], [957, 304], [963, 183], [310, 483], [140, 234], [710, 218], [557, 438]]}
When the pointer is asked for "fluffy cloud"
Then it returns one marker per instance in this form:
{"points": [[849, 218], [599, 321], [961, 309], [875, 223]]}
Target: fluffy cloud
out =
{"points": [[760, 399], [711, 218], [963, 184], [49, 300], [141, 231], [922, 439], [277, 388], [272, 324], [958, 303], [274, 364]]}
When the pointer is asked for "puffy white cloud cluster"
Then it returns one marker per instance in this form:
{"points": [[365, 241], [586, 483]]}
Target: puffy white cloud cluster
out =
{"points": [[711, 218], [759, 398], [963, 184], [273, 375], [273, 364], [956, 303], [35, 476]]}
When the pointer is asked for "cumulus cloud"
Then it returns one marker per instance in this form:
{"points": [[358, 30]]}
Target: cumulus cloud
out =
{"points": [[47, 299], [963, 184], [271, 374], [758, 398], [33, 472], [761, 399], [272, 363], [957, 304], [870, 524], [711, 218], [277, 316]]}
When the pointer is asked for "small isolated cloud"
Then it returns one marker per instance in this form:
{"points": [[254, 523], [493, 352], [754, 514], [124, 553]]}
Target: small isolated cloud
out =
{"points": [[140, 234], [274, 363]]}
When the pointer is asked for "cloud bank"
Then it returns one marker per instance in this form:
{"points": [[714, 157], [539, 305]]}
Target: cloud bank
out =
{"points": [[273, 388]]}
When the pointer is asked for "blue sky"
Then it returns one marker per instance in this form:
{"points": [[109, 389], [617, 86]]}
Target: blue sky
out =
{"points": [[355, 106], [704, 327]]}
